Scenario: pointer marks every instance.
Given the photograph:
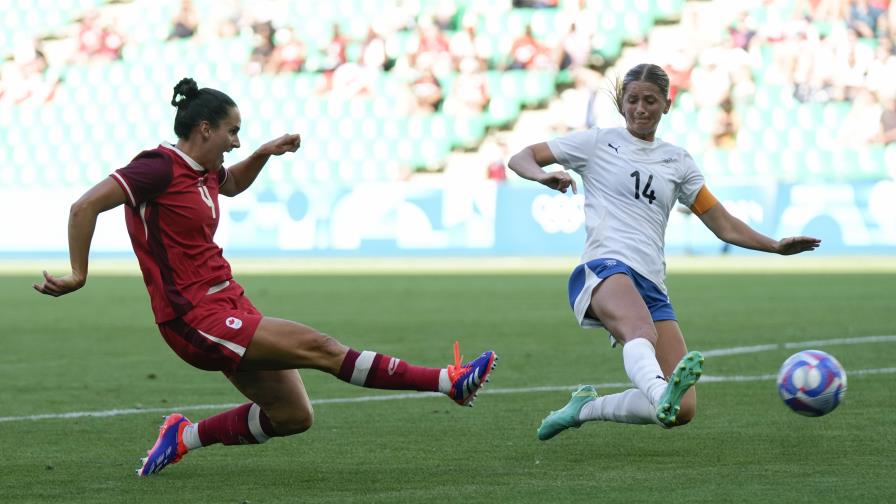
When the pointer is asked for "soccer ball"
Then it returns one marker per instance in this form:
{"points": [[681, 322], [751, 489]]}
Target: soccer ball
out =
{"points": [[812, 383]]}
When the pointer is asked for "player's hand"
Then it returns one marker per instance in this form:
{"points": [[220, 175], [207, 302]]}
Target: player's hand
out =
{"points": [[282, 145], [58, 286], [796, 244], [558, 180]]}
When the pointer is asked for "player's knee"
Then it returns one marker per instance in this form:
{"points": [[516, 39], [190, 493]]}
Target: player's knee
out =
{"points": [[326, 346], [294, 422], [635, 331]]}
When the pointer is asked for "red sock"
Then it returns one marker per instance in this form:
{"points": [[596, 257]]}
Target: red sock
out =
{"points": [[373, 370], [246, 424]]}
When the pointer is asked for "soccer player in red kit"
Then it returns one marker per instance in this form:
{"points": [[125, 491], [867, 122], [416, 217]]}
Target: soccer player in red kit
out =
{"points": [[171, 193]]}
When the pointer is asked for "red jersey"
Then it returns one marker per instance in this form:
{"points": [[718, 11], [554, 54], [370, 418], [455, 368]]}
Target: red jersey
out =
{"points": [[172, 214]]}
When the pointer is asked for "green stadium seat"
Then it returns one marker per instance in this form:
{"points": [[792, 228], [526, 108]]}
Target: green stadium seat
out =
{"points": [[467, 131], [871, 162], [667, 9], [502, 110]]}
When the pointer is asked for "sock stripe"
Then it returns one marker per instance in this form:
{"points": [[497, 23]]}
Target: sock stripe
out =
{"points": [[375, 365], [362, 368], [254, 421]]}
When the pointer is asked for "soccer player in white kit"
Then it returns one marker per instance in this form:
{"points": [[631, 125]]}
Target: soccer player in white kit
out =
{"points": [[632, 181]]}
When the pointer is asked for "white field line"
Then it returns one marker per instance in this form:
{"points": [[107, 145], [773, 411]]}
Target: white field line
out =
{"points": [[520, 390], [800, 344]]}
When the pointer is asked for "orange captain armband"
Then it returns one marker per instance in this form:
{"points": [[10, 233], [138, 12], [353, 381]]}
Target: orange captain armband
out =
{"points": [[703, 202]]}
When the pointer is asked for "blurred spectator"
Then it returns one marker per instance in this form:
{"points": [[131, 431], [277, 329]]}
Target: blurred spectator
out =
{"points": [[289, 52], [444, 15], [710, 80], [528, 53], [679, 69], [185, 22], [863, 121], [535, 4], [820, 10], [97, 41], [335, 52], [850, 67], [882, 69], [891, 20], [350, 80], [883, 27], [741, 31], [724, 131], [812, 75], [496, 170], [431, 49], [427, 93], [373, 51], [886, 134], [467, 43], [743, 87], [263, 48], [228, 18], [496, 152], [862, 18], [576, 48], [26, 76], [576, 108], [469, 93]]}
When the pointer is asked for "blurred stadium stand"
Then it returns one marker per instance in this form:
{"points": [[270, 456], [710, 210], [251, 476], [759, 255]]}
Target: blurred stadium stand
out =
{"points": [[86, 84], [103, 110]]}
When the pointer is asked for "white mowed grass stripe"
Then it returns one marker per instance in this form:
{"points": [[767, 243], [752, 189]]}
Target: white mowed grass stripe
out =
{"points": [[521, 390]]}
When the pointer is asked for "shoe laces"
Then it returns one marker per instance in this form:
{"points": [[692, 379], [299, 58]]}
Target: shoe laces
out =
{"points": [[457, 369]]}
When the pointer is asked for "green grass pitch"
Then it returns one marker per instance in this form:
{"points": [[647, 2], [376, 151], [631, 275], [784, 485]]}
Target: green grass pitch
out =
{"points": [[98, 351]]}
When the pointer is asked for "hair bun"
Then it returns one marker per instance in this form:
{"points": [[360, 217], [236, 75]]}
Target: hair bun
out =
{"points": [[184, 91]]}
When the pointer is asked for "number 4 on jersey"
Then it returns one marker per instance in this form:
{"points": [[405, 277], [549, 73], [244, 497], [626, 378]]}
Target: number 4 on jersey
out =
{"points": [[648, 193]]}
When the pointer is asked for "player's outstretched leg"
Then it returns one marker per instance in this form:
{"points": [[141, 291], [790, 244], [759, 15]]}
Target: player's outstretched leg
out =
{"points": [[567, 416], [169, 447], [468, 379], [460, 382], [686, 374]]}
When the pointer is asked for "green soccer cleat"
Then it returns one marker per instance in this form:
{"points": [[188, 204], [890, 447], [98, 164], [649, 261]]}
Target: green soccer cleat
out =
{"points": [[568, 416], [686, 374]]}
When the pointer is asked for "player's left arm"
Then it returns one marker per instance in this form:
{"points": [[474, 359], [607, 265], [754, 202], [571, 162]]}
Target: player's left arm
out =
{"points": [[736, 232], [241, 175]]}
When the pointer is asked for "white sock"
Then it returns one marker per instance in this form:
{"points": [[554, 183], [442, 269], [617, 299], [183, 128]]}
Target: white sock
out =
{"points": [[630, 406], [444, 382], [639, 358], [191, 437]]}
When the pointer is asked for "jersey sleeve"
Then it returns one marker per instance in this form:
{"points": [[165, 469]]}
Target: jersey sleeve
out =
{"points": [[691, 181], [573, 150], [145, 177], [223, 175]]}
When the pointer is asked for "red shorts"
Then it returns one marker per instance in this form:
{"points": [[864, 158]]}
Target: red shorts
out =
{"points": [[215, 334]]}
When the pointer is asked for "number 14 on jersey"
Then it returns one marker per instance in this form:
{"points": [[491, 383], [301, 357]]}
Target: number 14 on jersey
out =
{"points": [[647, 193]]}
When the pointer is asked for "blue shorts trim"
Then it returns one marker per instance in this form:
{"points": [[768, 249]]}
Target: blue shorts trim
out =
{"points": [[585, 277]]}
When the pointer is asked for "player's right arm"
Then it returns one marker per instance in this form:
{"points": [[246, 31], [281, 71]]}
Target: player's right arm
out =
{"points": [[81, 224], [528, 164]]}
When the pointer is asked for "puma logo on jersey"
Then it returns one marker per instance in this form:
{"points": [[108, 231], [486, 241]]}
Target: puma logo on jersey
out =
{"points": [[666, 160], [615, 148]]}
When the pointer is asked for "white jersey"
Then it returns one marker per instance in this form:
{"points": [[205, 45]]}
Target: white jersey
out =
{"points": [[630, 187]]}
